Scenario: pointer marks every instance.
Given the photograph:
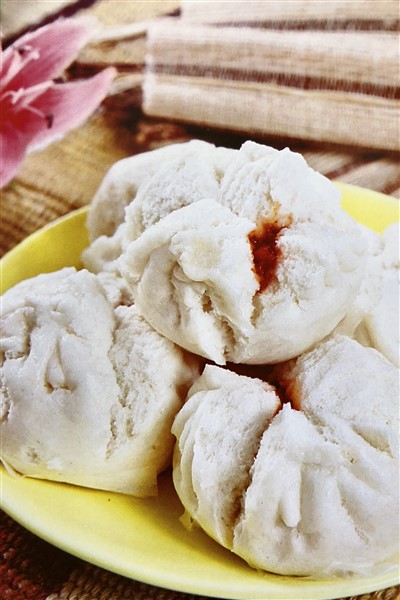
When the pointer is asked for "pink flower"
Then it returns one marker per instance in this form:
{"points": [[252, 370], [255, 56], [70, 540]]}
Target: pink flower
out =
{"points": [[34, 109]]}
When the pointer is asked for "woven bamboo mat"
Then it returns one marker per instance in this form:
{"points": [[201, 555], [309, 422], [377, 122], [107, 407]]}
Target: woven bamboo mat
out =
{"points": [[64, 177]]}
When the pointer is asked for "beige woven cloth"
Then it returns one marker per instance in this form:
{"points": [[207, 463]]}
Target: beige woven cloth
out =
{"points": [[64, 177]]}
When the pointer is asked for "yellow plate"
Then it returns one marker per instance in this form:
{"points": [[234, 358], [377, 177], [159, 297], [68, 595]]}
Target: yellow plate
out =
{"points": [[144, 539]]}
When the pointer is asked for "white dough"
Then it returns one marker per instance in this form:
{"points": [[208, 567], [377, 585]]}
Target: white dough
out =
{"points": [[311, 489], [374, 317], [89, 390], [192, 272], [124, 180], [148, 186]]}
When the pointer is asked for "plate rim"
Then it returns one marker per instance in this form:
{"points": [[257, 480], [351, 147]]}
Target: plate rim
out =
{"points": [[285, 587]]}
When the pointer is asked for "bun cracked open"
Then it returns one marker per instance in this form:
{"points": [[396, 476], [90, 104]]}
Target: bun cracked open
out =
{"points": [[257, 272]]}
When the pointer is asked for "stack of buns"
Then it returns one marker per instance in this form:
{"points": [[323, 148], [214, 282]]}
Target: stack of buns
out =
{"points": [[201, 260]]}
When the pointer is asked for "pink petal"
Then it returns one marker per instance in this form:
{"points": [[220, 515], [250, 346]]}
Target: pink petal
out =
{"points": [[68, 105], [13, 101], [13, 145], [16, 135], [45, 53], [10, 65], [25, 122], [19, 123], [58, 109]]}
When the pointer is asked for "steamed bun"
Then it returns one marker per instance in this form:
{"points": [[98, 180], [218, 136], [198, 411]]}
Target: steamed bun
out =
{"points": [[125, 179], [256, 273], [378, 325], [89, 390], [304, 487], [148, 186]]}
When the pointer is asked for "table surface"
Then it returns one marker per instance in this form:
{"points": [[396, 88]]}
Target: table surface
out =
{"points": [[64, 177]]}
